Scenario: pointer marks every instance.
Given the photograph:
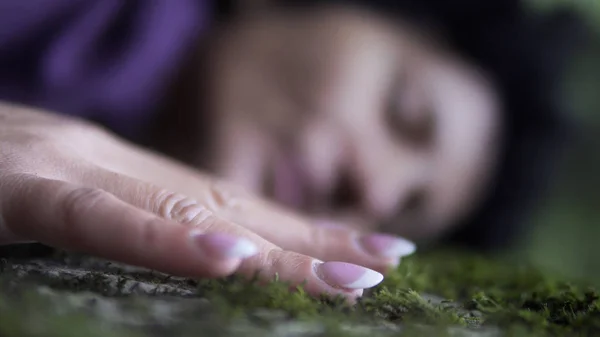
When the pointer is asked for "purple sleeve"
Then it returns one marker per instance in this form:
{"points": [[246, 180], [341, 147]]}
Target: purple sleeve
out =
{"points": [[106, 60]]}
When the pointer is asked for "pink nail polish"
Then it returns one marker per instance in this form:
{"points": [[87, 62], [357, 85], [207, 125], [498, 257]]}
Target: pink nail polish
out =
{"points": [[387, 246], [223, 246], [347, 275]]}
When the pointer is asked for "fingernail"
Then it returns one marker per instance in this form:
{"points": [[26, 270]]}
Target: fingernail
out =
{"points": [[388, 246], [224, 246], [347, 275]]}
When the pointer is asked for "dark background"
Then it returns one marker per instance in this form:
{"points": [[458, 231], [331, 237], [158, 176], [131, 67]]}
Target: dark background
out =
{"points": [[567, 228]]}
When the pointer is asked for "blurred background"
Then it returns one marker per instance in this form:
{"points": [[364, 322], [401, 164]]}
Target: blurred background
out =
{"points": [[567, 232]]}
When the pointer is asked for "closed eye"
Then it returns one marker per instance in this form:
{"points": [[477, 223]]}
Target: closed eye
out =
{"points": [[415, 127]]}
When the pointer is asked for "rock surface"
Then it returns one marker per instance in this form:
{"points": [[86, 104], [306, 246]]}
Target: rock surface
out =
{"points": [[121, 300]]}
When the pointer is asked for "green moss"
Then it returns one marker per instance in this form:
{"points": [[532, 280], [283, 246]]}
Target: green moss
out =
{"points": [[27, 314], [480, 293], [515, 297]]}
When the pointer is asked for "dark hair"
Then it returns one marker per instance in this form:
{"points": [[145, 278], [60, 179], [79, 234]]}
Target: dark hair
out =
{"points": [[526, 54]]}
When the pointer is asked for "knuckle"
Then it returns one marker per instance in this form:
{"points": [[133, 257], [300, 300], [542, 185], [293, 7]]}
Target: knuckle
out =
{"points": [[178, 207], [273, 258], [223, 197], [291, 262], [75, 205], [264, 260]]}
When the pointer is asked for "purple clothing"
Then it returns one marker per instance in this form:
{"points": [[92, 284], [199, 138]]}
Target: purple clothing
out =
{"points": [[105, 60]]}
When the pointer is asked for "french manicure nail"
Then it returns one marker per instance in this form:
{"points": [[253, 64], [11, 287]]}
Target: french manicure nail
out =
{"points": [[388, 246], [347, 275], [223, 245]]}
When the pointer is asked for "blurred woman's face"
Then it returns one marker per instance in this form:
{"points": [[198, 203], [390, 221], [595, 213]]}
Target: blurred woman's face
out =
{"points": [[345, 116]]}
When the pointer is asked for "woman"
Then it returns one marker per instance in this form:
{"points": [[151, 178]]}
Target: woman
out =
{"points": [[416, 114]]}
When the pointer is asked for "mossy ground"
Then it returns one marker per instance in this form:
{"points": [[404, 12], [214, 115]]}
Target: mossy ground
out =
{"points": [[509, 295], [506, 296]]}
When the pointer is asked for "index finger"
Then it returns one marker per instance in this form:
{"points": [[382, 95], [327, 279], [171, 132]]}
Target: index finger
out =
{"points": [[93, 221]]}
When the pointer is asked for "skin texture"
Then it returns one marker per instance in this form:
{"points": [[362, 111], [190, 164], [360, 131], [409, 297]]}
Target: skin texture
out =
{"points": [[344, 115], [310, 99], [72, 185]]}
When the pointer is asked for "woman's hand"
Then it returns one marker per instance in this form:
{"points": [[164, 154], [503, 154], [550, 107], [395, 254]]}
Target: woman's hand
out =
{"points": [[68, 184]]}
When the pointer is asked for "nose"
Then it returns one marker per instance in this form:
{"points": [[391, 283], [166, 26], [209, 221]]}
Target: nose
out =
{"points": [[348, 195], [388, 194], [390, 179]]}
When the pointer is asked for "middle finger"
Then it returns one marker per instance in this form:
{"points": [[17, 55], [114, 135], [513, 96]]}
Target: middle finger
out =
{"points": [[274, 223]]}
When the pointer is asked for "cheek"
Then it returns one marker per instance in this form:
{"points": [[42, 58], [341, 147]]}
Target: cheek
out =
{"points": [[466, 144]]}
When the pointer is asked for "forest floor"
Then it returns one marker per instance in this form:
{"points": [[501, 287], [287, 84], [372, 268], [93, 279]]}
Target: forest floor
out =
{"points": [[432, 294]]}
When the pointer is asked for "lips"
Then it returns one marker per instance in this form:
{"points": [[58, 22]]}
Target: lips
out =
{"points": [[292, 184]]}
